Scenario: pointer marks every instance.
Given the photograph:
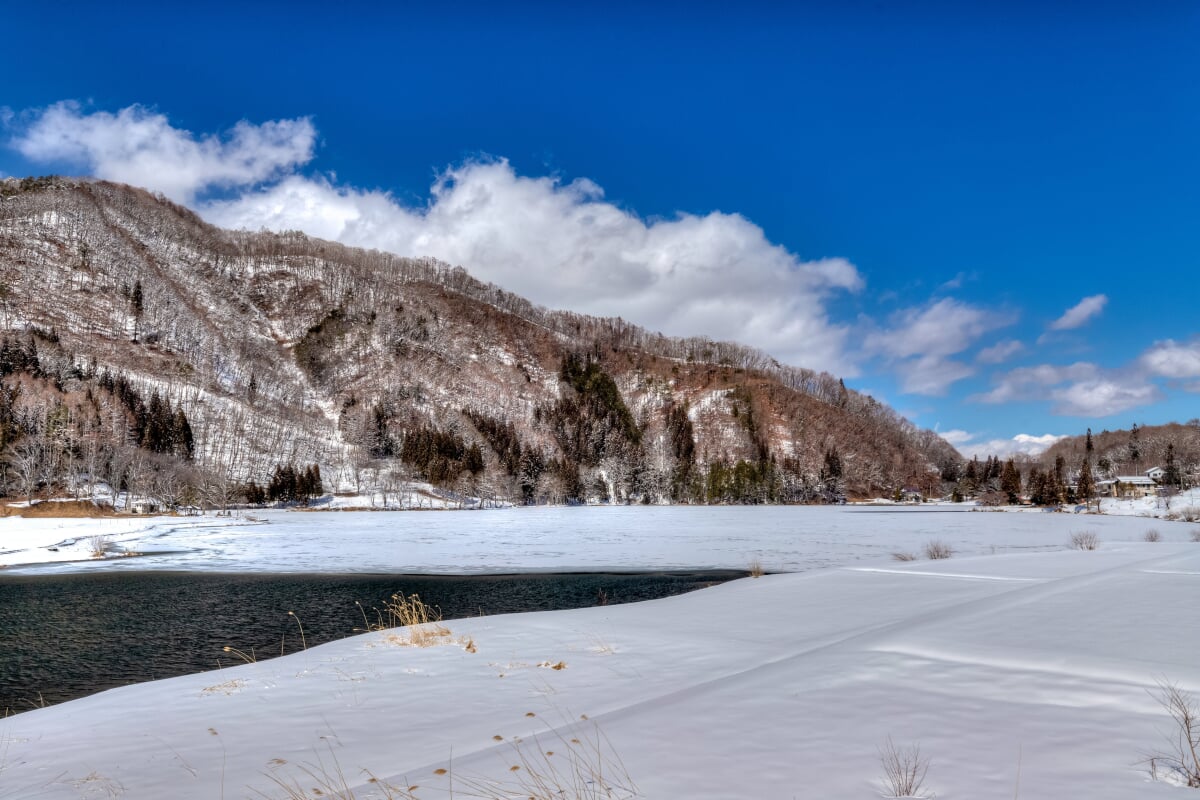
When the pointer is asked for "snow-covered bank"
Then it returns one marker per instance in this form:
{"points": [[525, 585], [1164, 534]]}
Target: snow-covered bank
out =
{"points": [[1029, 666], [563, 539]]}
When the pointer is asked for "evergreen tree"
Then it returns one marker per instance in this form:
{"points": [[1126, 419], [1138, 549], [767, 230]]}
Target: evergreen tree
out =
{"points": [[1135, 446], [136, 306], [971, 478], [1010, 481], [181, 436], [831, 477], [1086, 485], [156, 433], [1171, 476], [255, 494], [473, 460]]}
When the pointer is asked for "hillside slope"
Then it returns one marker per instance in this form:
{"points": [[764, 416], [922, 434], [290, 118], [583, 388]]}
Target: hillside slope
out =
{"points": [[275, 349]]}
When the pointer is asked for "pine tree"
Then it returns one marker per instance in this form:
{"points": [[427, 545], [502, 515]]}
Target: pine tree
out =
{"points": [[971, 478], [831, 476], [156, 434], [1171, 476], [1010, 481], [1135, 446], [137, 306], [1086, 485], [473, 461], [255, 495], [181, 436]]}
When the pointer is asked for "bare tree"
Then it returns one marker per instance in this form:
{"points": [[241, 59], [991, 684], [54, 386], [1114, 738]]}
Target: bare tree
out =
{"points": [[27, 460]]}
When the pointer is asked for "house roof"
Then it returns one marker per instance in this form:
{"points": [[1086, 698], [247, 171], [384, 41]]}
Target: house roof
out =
{"points": [[1136, 480]]}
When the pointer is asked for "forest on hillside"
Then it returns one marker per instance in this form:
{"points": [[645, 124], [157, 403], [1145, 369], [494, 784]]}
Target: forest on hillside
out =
{"points": [[163, 356]]}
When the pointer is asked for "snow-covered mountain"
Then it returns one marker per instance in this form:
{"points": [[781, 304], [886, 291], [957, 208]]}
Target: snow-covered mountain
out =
{"points": [[281, 348]]}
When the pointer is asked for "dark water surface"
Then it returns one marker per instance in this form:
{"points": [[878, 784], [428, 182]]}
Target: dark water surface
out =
{"points": [[66, 636]]}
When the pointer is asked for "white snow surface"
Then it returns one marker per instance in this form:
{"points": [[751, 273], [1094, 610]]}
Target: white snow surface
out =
{"points": [[547, 539], [1025, 672]]}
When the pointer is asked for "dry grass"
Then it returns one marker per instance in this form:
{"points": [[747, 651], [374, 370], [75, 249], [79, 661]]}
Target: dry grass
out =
{"points": [[248, 658], [96, 785], [422, 621], [325, 779], [1085, 540], [229, 687], [756, 569], [904, 770], [553, 767], [98, 546], [937, 550], [1179, 762], [556, 767], [1152, 535], [904, 557]]}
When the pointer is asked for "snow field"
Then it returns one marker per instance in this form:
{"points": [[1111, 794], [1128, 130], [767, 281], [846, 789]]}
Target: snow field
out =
{"points": [[556, 539], [1034, 665]]}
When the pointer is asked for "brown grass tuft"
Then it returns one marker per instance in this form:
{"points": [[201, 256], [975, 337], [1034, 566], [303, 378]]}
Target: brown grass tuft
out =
{"points": [[422, 620], [1085, 540], [937, 550], [579, 768]]}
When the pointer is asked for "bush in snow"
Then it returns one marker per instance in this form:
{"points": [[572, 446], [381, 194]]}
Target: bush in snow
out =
{"points": [[1084, 540], [937, 550], [1179, 763], [903, 770]]}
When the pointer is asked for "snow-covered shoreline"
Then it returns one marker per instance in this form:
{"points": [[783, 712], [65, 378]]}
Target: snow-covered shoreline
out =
{"points": [[1037, 661]]}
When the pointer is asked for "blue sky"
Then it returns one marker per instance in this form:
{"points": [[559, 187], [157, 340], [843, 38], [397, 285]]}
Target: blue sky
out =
{"points": [[985, 216]]}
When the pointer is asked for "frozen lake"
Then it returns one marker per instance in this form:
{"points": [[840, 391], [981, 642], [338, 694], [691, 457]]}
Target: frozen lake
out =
{"points": [[548, 539]]}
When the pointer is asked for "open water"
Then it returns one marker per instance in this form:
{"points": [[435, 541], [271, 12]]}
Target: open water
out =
{"points": [[65, 636]]}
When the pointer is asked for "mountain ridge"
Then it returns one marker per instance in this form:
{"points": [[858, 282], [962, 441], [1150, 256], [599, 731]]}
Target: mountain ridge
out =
{"points": [[286, 349]]}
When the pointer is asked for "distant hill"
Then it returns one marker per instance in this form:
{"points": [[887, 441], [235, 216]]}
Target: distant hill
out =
{"points": [[147, 347], [1123, 452]]}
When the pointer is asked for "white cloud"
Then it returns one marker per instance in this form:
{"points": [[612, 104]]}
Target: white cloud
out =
{"points": [[956, 436], [1000, 352], [921, 340], [1080, 313], [557, 243], [1077, 390], [930, 375], [1021, 444], [140, 147], [1030, 383], [1172, 359], [1102, 396], [939, 329], [562, 245]]}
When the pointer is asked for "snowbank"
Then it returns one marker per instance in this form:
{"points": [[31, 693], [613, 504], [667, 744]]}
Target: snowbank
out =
{"points": [[1034, 667]]}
